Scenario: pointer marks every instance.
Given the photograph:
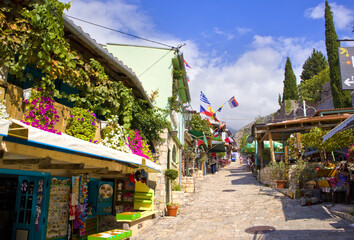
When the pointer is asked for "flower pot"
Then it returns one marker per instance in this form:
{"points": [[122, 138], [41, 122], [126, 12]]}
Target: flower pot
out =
{"points": [[172, 211], [281, 184]]}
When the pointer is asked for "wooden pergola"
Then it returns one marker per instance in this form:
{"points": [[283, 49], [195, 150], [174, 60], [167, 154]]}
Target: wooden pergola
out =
{"points": [[281, 131]]}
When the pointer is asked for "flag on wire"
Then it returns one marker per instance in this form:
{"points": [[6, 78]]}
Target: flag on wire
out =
{"points": [[229, 140], [186, 64], [205, 112], [216, 133], [232, 102], [203, 98], [188, 78], [220, 108]]}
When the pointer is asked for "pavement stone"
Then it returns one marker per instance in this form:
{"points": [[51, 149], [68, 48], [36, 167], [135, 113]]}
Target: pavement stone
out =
{"points": [[213, 213]]}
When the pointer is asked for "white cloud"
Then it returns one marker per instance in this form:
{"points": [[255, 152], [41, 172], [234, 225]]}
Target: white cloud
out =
{"points": [[243, 31], [228, 36], [342, 16]]}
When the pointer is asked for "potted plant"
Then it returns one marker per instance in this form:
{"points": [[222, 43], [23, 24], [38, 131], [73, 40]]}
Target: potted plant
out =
{"points": [[171, 174], [278, 173], [172, 209]]}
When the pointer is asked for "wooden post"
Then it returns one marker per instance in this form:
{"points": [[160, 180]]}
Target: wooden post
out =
{"points": [[286, 162], [272, 156], [298, 143]]}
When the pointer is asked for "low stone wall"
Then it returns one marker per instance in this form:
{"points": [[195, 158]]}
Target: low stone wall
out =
{"points": [[188, 184]]}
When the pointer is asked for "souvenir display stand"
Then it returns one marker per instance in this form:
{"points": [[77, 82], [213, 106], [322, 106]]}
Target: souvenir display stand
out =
{"points": [[124, 196], [144, 207]]}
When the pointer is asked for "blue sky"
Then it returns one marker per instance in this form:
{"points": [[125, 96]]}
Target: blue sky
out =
{"points": [[235, 48]]}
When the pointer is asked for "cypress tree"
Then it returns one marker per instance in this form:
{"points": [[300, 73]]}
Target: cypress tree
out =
{"points": [[341, 99], [313, 65], [290, 88]]}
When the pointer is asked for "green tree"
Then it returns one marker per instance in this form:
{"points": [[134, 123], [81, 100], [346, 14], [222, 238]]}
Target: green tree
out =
{"points": [[313, 65], [290, 89], [311, 89], [279, 99], [200, 125], [341, 99]]}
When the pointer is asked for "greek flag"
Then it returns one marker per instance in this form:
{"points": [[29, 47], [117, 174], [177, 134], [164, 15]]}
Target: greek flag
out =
{"points": [[203, 98]]}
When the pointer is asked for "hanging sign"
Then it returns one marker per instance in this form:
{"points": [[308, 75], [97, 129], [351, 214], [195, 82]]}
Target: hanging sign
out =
{"points": [[346, 64]]}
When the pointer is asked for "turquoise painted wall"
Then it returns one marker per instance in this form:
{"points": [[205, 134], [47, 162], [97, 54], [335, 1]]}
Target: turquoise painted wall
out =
{"points": [[152, 66]]}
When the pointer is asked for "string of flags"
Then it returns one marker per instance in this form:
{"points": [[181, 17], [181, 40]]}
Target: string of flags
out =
{"points": [[206, 109]]}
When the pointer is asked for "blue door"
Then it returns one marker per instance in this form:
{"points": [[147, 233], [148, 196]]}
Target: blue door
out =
{"points": [[105, 198], [31, 208]]}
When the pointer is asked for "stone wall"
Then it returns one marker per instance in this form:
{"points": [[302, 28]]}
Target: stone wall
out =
{"points": [[188, 184]]}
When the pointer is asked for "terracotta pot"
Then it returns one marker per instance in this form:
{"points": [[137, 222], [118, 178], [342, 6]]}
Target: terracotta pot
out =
{"points": [[172, 211], [281, 184]]}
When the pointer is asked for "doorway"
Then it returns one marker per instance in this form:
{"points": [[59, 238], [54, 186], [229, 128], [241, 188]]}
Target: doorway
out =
{"points": [[8, 190]]}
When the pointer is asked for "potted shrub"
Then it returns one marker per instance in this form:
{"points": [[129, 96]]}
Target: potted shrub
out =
{"points": [[171, 174], [172, 209], [278, 173]]}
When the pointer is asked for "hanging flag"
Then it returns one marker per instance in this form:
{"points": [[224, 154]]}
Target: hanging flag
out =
{"points": [[188, 78], [220, 108], [229, 140], [232, 102], [205, 105], [205, 112], [216, 133], [186, 64], [203, 98]]}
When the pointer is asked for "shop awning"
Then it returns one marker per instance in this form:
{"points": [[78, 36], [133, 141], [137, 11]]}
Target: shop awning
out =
{"points": [[345, 125], [199, 136], [14, 130], [217, 146]]}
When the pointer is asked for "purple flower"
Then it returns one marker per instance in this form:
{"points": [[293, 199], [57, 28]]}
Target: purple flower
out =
{"points": [[93, 124], [71, 116]]}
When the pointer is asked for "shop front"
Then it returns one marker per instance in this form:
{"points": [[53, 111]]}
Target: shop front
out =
{"points": [[59, 187]]}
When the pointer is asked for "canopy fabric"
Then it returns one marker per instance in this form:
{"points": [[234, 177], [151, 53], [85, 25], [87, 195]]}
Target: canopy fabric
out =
{"points": [[71, 144], [217, 147], [199, 136], [345, 125], [251, 147]]}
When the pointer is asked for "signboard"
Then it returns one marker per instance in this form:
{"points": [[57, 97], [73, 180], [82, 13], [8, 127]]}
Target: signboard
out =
{"points": [[346, 63]]}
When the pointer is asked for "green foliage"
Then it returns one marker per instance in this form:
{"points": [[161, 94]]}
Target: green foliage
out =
{"points": [[82, 124], [311, 89], [288, 105], [150, 122], [341, 99], [174, 104], [169, 204], [302, 172], [277, 170], [200, 125], [266, 154], [279, 99], [337, 141], [290, 90], [315, 64], [243, 141], [176, 186], [33, 34], [171, 174], [146, 151]]}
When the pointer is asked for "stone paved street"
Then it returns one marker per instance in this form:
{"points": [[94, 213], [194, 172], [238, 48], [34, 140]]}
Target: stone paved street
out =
{"points": [[228, 203]]}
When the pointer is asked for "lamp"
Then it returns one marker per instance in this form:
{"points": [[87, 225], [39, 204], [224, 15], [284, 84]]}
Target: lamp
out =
{"points": [[27, 93], [188, 115], [103, 124]]}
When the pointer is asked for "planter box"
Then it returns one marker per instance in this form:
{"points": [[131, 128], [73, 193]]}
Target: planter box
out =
{"points": [[115, 234], [128, 216]]}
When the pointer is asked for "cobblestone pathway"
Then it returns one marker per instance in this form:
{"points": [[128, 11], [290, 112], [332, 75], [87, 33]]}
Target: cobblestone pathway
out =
{"points": [[228, 204]]}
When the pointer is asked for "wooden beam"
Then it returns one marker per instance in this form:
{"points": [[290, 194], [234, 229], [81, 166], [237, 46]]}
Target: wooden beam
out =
{"points": [[272, 155], [46, 160], [62, 166], [89, 170]]}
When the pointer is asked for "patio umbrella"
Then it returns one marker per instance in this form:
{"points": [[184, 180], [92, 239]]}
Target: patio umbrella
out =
{"points": [[251, 147]]}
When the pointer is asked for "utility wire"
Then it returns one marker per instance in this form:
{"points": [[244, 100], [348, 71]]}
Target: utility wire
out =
{"points": [[154, 63], [128, 34]]}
